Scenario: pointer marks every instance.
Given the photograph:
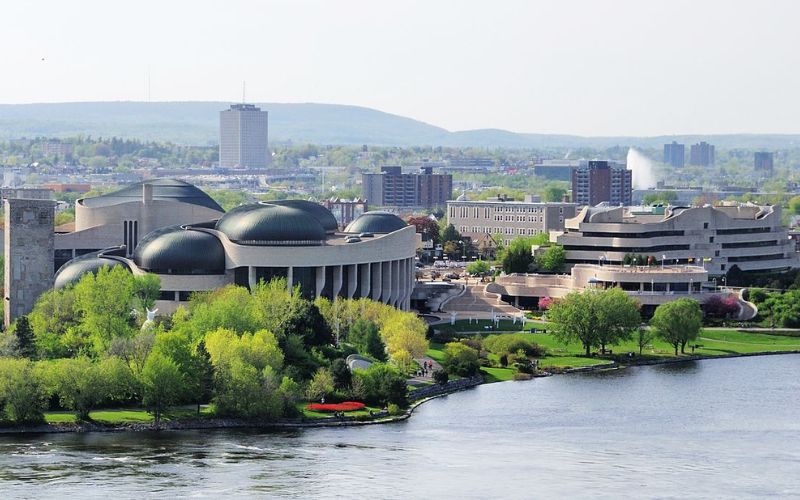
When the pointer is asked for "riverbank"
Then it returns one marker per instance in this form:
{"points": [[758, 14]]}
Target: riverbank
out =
{"points": [[429, 393]]}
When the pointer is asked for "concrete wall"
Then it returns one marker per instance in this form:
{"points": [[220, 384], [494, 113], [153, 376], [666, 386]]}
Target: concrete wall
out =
{"points": [[28, 246]]}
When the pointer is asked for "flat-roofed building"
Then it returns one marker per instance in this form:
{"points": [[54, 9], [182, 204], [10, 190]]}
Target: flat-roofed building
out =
{"points": [[507, 218], [746, 236], [393, 188], [601, 182], [243, 131]]}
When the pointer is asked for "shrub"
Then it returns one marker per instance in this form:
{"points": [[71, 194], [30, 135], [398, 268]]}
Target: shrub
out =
{"points": [[510, 343], [382, 384], [22, 393], [460, 359], [441, 377], [394, 410]]}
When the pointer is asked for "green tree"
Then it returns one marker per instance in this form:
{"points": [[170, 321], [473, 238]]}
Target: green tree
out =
{"points": [[22, 393], [678, 322], [478, 268], [162, 385], [553, 194], [552, 258], [79, 384], [146, 289], [342, 377], [104, 302], [450, 234], [460, 359], [794, 205], [517, 257], [595, 318], [320, 385], [26, 346], [365, 337], [203, 371], [618, 317], [644, 336]]}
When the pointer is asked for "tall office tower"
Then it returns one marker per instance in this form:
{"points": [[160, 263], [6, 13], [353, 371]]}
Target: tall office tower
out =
{"points": [[702, 154], [674, 154], [598, 182], [29, 247], [763, 161], [243, 137], [392, 188]]}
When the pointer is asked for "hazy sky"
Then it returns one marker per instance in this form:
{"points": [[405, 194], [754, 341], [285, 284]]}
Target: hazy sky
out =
{"points": [[642, 67]]}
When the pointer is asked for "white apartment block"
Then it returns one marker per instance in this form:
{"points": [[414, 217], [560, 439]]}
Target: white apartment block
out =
{"points": [[243, 131]]}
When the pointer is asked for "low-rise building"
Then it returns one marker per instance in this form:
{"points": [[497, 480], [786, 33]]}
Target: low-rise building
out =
{"points": [[506, 217], [744, 236], [650, 286]]}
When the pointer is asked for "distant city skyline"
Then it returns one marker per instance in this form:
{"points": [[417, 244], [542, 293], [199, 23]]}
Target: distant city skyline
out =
{"points": [[570, 67]]}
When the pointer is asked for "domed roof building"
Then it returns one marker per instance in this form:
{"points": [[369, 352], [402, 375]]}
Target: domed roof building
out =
{"points": [[180, 250], [294, 240], [172, 190], [322, 214], [376, 222], [71, 272], [271, 225]]}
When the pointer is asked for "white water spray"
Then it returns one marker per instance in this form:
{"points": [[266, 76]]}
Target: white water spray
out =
{"points": [[642, 170]]}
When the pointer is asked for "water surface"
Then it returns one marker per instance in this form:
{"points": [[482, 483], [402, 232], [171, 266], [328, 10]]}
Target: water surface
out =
{"points": [[712, 429]]}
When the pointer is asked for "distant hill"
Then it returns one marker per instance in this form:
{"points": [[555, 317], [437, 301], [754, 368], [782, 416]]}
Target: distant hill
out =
{"points": [[197, 123]]}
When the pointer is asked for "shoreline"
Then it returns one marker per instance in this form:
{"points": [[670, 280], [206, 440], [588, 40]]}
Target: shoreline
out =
{"points": [[297, 424]]}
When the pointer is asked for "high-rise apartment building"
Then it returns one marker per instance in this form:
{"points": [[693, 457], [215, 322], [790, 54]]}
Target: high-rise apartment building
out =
{"points": [[702, 154], [675, 154], [392, 188], [243, 137], [763, 162], [598, 182]]}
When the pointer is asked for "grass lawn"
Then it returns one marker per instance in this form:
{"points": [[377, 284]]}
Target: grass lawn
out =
{"points": [[126, 415], [570, 362], [435, 352], [497, 374]]}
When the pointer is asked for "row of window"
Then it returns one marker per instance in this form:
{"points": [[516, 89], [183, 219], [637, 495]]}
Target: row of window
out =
{"points": [[520, 231], [476, 211]]}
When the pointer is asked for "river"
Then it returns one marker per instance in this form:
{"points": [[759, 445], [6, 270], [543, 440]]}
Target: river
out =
{"points": [[711, 429]]}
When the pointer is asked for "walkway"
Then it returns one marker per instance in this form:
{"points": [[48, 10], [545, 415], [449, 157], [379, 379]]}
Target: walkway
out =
{"points": [[427, 379], [476, 302]]}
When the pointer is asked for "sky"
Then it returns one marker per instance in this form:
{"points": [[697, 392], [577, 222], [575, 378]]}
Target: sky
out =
{"points": [[586, 67]]}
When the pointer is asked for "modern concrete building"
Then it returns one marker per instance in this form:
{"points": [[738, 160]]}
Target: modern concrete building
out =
{"points": [[763, 161], [124, 216], [28, 248], [745, 236], [296, 240], [650, 286], [507, 218], [243, 133], [599, 182], [393, 188], [702, 154], [675, 154]]}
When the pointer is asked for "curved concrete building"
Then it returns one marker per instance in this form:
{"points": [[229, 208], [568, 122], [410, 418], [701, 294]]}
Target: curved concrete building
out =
{"points": [[293, 240]]}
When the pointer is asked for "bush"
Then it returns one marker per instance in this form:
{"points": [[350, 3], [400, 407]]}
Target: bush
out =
{"points": [[394, 410], [22, 393], [460, 359], [382, 384], [510, 343], [441, 377]]}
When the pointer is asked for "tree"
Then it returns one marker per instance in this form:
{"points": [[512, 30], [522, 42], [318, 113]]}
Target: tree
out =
{"points": [[162, 384], [678, 322], [146, 289], [382, 384], [364, 336], [517, 257], [342, 377], [794, 205], [26, 346], [22, 393], [478, 268], [552, 258], [644, 336], [427, 227], [553, 194], [617, 316], [450, 234], [595, 318], [320, 385], [203, 371], [460, 359]]}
